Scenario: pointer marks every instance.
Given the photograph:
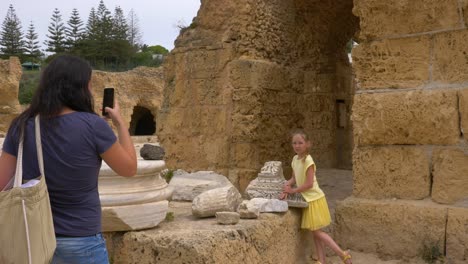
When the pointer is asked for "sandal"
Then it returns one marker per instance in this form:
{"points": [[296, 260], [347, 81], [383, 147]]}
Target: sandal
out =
{"points": [[346, 257]]}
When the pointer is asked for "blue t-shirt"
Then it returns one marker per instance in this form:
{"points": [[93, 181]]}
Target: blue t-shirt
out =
{"points": [[71, 145]]}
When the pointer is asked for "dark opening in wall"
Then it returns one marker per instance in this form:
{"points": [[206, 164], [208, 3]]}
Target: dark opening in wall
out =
{"points": [[143, 122]]}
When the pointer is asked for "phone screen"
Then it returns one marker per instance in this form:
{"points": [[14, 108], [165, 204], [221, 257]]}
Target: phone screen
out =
{"points": [[107, 100]]}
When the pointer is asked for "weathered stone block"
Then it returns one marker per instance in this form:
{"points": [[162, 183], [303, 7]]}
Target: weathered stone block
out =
{"points": [[387, 172], [210, 92], [394, 63], [269, 205], [392, 229], [227, 218], [133, 217], [450, 181], [464, 7], [414, 117], [184, 240], [450, 57], [245, 155], [216, 200], [389, 18], [457, 236], [463, 105], [189, 185]]}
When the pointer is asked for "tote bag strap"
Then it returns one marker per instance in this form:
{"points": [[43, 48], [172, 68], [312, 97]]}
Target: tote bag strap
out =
{"points": [[19, 163], [39, 145], [19, 159]]}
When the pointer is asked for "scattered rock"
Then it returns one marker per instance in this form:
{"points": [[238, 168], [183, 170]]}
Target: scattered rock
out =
{"points": [[247, 211], [152, 152]]}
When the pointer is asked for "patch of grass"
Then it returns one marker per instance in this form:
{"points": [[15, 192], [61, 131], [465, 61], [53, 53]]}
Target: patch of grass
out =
{"points": [[167, 175], [169, 216], [431, 253]]}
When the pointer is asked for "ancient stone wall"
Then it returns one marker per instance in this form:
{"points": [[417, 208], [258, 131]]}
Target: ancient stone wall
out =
{"points": [[10, 75], [245, 73], [410, 120], [137, 89]]}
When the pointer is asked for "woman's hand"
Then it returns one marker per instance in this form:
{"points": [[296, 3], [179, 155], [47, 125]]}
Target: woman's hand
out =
{"points": [[114, 114]]}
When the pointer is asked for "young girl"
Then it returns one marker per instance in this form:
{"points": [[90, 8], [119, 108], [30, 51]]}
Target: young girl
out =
{"points": [[316, 216]]}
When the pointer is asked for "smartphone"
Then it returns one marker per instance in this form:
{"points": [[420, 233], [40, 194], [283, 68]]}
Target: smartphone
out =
{"points": [[107, 100]]}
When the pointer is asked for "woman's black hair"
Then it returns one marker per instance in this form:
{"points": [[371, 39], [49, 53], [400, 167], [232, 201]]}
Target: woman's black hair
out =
{"points": [[63, 83]]}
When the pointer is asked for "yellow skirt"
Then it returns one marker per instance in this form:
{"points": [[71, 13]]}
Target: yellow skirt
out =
{"points": [[317, 215]]}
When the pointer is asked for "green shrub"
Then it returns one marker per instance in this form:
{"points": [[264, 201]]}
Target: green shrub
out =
{"points": [[28, 84]]}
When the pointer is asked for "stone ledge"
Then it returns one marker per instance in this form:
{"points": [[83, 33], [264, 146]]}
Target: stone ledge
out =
{"points": [[190, 240], [396, 229]]}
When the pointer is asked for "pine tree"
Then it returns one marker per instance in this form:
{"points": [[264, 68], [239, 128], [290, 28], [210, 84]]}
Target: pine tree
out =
{"points": [[120, 27], [11, 37], [91, 25], [134, 33], [104, 22], [32, 44], [56, 42], [74, 31]]}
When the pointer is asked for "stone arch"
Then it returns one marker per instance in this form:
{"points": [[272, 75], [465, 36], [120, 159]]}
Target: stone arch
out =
{"points": [[143, 122]]}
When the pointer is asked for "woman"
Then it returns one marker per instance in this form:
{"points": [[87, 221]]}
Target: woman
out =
{"points": [[75, 140]]}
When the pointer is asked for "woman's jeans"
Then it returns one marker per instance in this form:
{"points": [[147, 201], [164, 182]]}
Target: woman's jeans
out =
{"points": [[78, 250]]}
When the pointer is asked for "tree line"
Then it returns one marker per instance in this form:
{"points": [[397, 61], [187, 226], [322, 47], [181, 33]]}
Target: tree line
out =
{"points": [[109, 41]]}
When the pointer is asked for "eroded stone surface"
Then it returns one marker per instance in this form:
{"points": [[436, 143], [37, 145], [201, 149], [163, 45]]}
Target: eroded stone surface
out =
{"points": [[457, 235], [404, 118], [216, 200], [380, 223], [10, 75], [463, 105], [394, 63], [388, 172], [395, 17], [152, 152], [450, 170], [188, 185], [227, 218], [186, 240], [450, 57]]}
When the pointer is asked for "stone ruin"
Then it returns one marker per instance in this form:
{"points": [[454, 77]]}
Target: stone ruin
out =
{"points": [[245, 72], [139, 93], [10, 75], [269, 184]]}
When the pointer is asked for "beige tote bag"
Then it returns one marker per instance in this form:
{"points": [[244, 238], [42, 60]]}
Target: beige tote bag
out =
{"points": [[26, 227]]}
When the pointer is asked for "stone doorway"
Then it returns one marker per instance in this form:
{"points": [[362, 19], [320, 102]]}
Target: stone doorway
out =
{"points": [[142, 122]]}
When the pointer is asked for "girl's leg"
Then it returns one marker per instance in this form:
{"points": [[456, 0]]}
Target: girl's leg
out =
{"points": [[320, 249], [328, 241]]}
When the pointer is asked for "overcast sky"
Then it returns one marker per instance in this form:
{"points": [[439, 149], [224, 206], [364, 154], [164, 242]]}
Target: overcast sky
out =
{"points": [[157, 17]]}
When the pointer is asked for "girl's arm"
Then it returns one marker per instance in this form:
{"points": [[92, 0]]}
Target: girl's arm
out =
{"points": [[310, 174], [291, 181], [7, 168]]}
